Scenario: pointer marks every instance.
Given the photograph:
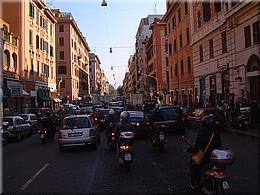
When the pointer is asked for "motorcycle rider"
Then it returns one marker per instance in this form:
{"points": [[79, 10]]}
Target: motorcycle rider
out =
{"points": [[155, 117], [47, 123], [112, 118], [202, 140], [123, 125]]}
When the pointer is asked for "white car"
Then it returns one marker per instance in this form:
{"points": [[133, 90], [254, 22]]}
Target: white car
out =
{"points": [[78, 130]]}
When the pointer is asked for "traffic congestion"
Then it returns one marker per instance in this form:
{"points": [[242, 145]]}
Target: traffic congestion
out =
{"points": [[82, 126]]}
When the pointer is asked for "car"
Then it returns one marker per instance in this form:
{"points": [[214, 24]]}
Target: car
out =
{"points": [[195, 118], [86, 110], [5, 135], [17, 127], [77, 130], [186, 111], [32, 120], [102, 114], [139, 123], [41, 113], [148, 107], [64, 113], [173, 118]]}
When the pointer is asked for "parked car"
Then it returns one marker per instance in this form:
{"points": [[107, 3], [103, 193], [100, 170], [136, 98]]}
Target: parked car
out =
{"points": [[77, 130], [195, 118], [139, 123], [173, 119], [5, 135], [17, 127], [186, 111], [32, 120]]}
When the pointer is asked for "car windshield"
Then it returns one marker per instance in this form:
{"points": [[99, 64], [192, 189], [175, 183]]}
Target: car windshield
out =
{"points": [[169, 113], [136, 116], [9, 120], [25, 117], [75, 123]]}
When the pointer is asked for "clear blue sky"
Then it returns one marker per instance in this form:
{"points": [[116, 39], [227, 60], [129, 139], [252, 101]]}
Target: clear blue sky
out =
{"points": [[112, 26]]}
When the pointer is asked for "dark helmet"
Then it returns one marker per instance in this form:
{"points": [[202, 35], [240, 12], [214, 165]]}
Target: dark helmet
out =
{"points": [[208, 122], [124, 116]]}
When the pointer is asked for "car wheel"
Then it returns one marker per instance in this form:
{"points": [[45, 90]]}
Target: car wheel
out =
{"points": [[19, 137]]}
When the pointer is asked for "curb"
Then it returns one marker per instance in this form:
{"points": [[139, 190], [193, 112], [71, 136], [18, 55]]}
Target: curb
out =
{"points": [[244, 133]]}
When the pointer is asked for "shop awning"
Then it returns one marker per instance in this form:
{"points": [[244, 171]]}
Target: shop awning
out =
{"points": [[25, 93], [47, 99], [57, 100]]}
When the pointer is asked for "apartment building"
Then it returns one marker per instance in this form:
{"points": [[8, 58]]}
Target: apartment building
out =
{"points": [[11, 84], [34, 23], [126, 85], [225, 42], [95, 74], [142, 32], [179, 51], [72, 53], [132, 74], [156, 69]]}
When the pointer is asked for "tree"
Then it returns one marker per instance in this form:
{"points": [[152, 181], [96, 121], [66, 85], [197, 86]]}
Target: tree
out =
{"points": [[120, 91]]}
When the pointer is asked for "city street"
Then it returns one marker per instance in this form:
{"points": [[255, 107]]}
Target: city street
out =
{"points": [[30, 166]]}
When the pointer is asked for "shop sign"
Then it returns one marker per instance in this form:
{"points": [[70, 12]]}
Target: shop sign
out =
{"points": [[16, 91]]}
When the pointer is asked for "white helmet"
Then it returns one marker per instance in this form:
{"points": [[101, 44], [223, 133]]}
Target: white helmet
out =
{"points": [[111, 111]]}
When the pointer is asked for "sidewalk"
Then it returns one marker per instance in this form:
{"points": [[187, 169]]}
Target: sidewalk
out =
{"points": [[246, 132]]}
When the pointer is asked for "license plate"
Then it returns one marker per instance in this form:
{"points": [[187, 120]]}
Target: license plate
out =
{"points": [[127, 157], [75, 134], [163, 126], [161, 136], [225, 185], [42, 136]]}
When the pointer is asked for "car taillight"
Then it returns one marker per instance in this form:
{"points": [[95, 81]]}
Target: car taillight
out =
{"points": [[127, 147], [146, 123], [60, 135], [92, 132], [113, 134]]}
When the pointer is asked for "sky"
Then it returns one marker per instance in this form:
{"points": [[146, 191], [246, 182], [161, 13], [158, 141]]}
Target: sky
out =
{"points": [[112, 26]]}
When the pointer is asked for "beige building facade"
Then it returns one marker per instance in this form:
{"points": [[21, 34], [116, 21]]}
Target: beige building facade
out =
{"points": [[72, 53], [225, 43], [33, 22], [95, 74]]}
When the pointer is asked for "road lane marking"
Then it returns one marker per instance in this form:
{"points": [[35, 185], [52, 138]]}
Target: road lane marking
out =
{"points": [[24, 186]]}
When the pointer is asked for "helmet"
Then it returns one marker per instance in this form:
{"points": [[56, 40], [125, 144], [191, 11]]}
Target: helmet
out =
{"points": [[208, 122], [124, 116], [157, 110], [111, 112]]}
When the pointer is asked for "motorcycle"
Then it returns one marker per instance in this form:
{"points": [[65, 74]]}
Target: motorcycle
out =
{"points": [[111, 136], [45, 135], [125, 149], [159, 137], [213, 179], [242, 120]]}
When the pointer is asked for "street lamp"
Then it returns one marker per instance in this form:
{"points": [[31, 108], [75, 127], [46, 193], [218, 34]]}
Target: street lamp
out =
{"points": [[104, 3]]}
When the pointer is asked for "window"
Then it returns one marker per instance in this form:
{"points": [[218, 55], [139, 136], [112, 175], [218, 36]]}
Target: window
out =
{"points": [[46, 46], [31, 11], [180, 40], [46, 70], [206, 11], [38, 68], [182, 68], [199, 19], [32, 66], [51, 50], [224, 42], [61, 28], [188, 35], [41, 21], [62, 84], [62, 70], [41, 42], [30, 37], [167, 61], [217, 5], [176, 70], [173, 22], [201, 53], [256, 32], [170, 48], [211, 51], [45, 24], [189, 64], [171, 71], [61, 55], [174, 46], [61, 41], [37, 16], [186, 7], [51, 27], [37, 42], [169, 27], [179, 14], [247, 34], [71, 42]]}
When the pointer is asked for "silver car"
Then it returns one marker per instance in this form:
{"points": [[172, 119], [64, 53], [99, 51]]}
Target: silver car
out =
{"points": [[32, 120], [77, 130]]}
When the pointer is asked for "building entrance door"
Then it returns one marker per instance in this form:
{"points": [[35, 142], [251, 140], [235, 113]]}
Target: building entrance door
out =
{"points": [[254, 88]]}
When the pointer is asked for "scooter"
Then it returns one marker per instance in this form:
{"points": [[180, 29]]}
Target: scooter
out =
{"points": [[45, 135], [125, 149], [213, 179], [111, 136], [159, 139], [242, 120]]}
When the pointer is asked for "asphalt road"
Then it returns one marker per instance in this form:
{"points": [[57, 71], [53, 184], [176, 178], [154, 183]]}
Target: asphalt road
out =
{"points": [[30, 166]]}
